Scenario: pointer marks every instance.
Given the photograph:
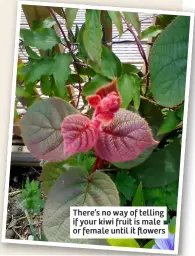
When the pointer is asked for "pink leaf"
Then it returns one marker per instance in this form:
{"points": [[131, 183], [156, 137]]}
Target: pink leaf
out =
{"points": [[94, 100], [106, 89], [79, 133], [125, 138]]}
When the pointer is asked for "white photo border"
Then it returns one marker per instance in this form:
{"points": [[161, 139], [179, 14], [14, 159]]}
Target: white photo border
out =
{"points": [[182, 157]]}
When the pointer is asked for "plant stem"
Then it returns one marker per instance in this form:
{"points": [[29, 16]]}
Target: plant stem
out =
{"points": [[98, 164], [31, 226], [141, 50]]}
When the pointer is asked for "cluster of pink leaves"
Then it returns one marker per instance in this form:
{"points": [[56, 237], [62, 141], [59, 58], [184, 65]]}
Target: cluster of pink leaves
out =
{"points": [[117, 135]]}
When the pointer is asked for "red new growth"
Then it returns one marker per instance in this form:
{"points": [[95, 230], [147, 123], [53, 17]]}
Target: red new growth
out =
{"points": [[117, 135], [106, 102]]}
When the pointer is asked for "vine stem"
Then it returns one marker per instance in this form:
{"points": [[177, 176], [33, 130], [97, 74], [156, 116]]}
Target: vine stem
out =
{"points": [[68, 44], [61, 29], [141, 50], [99, 163]]}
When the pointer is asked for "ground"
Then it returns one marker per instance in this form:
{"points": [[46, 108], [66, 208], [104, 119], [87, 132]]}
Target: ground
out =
{"points": [[17, 225]]}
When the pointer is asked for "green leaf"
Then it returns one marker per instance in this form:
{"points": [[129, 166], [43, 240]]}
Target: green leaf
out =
{"points": [[22, 71], [172, 225], [87, 71], [92, 36], [162, 196], [45, 85], [41, 68], [116, 18], [75, 188], [126, 89], [48, 23], [43, 38], [152, 114], [125, 242], [32, 54], [85, 161], [50, 173], [168, 63], [74, 79], [138, 199], [61, 72], [125, 184], [149, 245], [129, 68], [82, 53], [21, 92], [110, 64], [133, 19], [161, 168], [170, 123], [180, 112], [70, 14], [31, 197], [129, 89], [165, 19], [92, 86], [41, 128], [123, 200], [152, 31]]}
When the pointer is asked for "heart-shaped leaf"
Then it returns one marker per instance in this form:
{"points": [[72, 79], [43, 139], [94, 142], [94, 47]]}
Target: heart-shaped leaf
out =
{"points": [[125, 138], [41, 128], [52, 171], [74, 188], [152, 114], [79, 132], [168, 63]]}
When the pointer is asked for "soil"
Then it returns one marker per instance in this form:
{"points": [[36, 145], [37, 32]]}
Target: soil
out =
{"points": [[17, 226]]}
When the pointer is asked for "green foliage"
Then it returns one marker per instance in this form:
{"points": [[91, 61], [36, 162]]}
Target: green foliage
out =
{"points": [[152, 174], [96, 82], [152, 31], [110, 64], [180, 112], [116, 18], [129, 88], [31, 198], [92, 36], [43, 38], [165, 19], [168, 62], [126, 184], [149, 244], [129, 69], [61, 71], [70, 14], [133, 19], [75, 187], [132, 243], [149, 180], [138, 199], [172, 225], [170, 123], [162, 196]]}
